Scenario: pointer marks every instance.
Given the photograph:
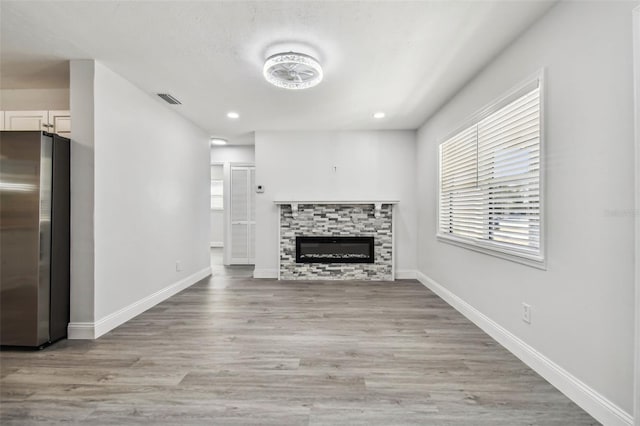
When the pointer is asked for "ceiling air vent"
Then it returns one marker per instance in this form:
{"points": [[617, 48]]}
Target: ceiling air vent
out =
{"points": [[169, 99]]}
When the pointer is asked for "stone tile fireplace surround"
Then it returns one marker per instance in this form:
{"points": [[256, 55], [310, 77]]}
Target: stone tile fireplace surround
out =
{"points": [[336, 218]]}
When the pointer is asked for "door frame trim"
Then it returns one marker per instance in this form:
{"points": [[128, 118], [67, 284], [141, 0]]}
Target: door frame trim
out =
{"points": [[636, 86]]}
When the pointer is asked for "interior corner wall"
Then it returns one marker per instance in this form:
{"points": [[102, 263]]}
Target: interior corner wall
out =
{"points": [[34, 99], [370, 165], [82, 309], [152, 192], [582, 305]]}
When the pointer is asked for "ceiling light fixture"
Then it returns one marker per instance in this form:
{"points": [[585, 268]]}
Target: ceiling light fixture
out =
{"points": [[379, 115], [218, 141], [233, 114], [292, 70]]}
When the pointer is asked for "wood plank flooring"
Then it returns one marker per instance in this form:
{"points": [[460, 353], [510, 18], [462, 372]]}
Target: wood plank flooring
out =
{"points": [[232, 350]]}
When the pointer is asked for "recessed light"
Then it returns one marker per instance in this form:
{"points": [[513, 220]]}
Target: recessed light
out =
{"points": [[233, 114], [218, 141], [379, 114]]}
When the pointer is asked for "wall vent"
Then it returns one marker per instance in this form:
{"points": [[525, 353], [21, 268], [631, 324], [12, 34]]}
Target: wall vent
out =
{"points": [[169, 99]]}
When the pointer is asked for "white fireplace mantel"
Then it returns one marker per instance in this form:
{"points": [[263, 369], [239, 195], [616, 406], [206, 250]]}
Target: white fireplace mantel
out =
{"points": [[377, 204]]}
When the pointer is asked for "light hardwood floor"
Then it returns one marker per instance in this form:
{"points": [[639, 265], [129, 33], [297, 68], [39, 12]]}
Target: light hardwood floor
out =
{"points": [[234, 350]]}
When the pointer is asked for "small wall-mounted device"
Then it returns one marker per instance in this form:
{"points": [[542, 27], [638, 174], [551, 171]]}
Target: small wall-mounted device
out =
{"points": [[259, 189]]}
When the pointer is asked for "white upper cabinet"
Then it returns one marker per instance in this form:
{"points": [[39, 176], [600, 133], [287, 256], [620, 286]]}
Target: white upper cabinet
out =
{"points": [[26, 120], [60, 123], [50, 121]]}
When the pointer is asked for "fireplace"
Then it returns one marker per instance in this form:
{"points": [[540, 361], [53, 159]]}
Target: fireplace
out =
{"points": [[323, 224], [334, 249]]}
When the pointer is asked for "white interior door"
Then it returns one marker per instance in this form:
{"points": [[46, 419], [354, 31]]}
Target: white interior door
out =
{"points": [[242, 215]]}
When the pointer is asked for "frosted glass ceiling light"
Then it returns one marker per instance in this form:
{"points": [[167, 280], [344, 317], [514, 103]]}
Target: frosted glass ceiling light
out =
{"points": [[218, 141], [292, 70]]}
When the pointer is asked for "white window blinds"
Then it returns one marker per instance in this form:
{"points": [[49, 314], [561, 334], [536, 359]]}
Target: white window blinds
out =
{"points": [[490, 179]]}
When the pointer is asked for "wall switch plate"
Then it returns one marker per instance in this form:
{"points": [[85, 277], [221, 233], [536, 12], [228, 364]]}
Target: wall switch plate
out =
{"points": [[178, 266], [526, 313]]}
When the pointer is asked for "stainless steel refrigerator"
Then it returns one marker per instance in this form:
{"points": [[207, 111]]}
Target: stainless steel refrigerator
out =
{"points": [[34, 238]]}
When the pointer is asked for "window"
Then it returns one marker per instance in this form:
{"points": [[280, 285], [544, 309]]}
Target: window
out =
{"points": [[491, 180], [217, 187]]}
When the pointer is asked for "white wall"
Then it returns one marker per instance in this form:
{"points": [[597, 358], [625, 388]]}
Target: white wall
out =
{"points": [[151, 195], [233, 154], [34, 99], [371, 165], [582, 305], [140, 201], [82, 192]]}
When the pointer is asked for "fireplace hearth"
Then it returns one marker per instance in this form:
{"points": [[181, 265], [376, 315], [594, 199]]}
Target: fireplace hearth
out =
{"points": [[334, 249]]}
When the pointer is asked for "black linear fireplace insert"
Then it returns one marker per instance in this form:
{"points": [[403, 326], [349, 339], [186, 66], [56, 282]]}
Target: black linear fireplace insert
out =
{"points": [[334, 249]]}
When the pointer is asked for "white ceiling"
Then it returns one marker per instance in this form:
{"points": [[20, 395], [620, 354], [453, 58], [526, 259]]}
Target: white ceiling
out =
{"points": [[404, 58]]}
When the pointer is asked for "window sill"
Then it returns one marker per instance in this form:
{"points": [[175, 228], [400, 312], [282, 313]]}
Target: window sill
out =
{"points": [[523, 259]]}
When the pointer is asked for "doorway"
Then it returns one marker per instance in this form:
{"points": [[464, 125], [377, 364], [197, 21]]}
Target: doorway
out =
{"points": [[225, 199]]}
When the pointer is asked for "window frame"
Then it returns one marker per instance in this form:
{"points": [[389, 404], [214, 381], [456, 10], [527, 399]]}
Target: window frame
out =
{"points": [[535, 260]]}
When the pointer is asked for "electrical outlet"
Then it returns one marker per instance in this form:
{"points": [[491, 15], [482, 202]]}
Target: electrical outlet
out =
{"points": [[178, 266], [526, 313]]}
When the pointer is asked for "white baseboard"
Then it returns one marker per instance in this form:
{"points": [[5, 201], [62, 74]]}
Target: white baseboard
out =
{"points": [[93, 330], [587, 398], [216, 244], [406, 274], [81, 330], [265, 273]]}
